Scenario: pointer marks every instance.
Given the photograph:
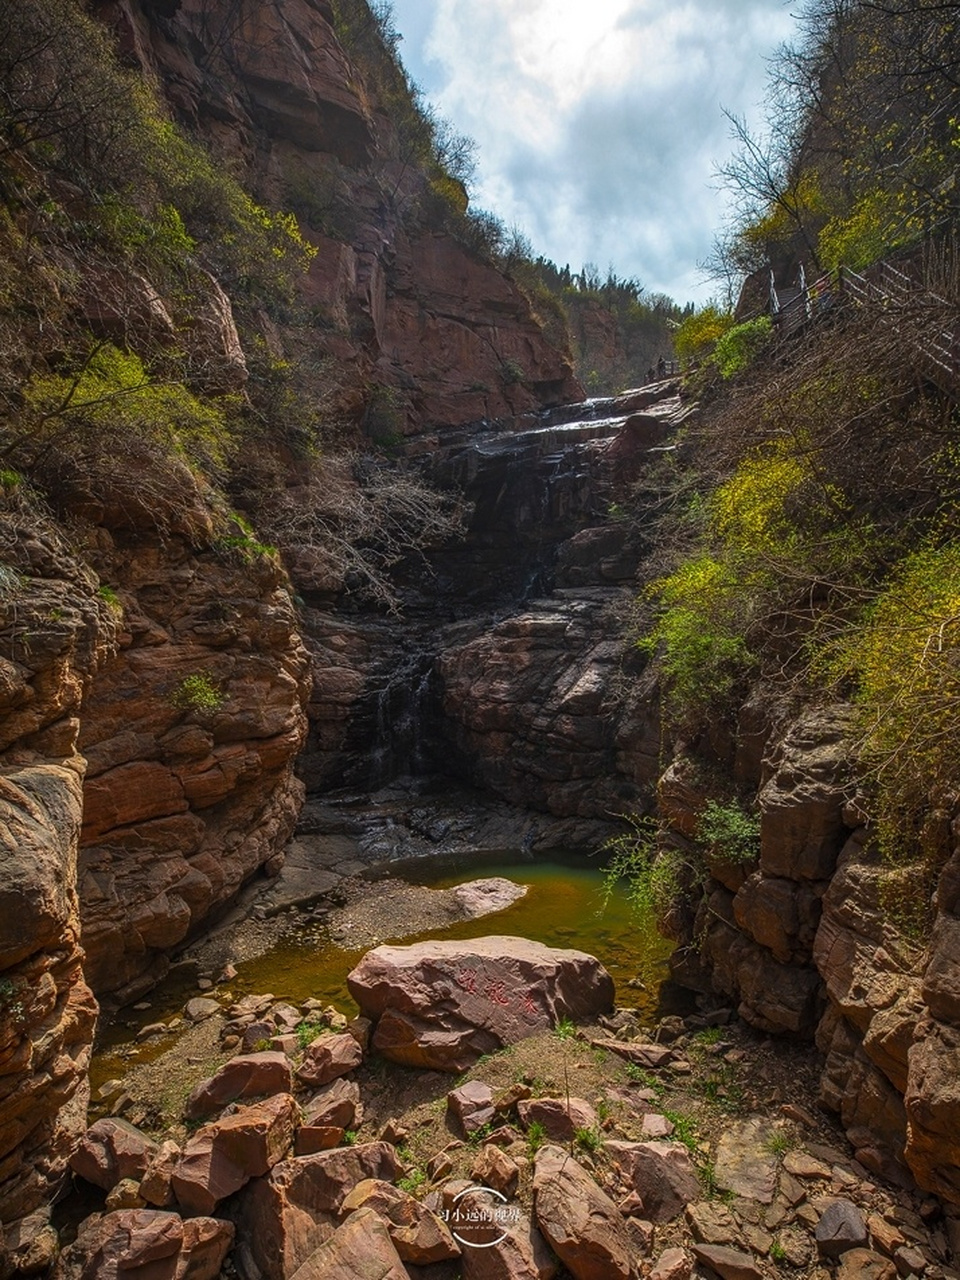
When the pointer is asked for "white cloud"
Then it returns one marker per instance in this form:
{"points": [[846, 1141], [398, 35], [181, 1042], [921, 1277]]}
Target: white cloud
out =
{"points": [[599, 123]]}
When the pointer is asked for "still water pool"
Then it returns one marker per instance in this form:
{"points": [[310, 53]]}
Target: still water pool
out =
{"points": [[563, 907]]}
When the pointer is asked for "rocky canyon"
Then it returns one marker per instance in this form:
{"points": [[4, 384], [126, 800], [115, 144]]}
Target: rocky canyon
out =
{"points": [[345, 524]]}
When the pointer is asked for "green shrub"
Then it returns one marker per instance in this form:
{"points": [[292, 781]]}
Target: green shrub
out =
{"points": [[109, 399], [700, 332], [588, 1139], [536, 1137], [110, 597], [729, 832], [699, 635], [198, 692], [650, 877], [740, 346]]}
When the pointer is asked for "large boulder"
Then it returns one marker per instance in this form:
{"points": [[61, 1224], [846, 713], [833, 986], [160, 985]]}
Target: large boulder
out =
{"points": [[255, 1075], [418, 1235], [222, 1157], [328, 1057], [661, 1173], [443, 1005], [361, 1248], [112, 1150], [146, 1242], [288, 1215], [580, 1222]]}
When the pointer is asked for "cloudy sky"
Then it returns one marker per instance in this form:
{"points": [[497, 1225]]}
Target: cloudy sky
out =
{"points": [[599, 121]]}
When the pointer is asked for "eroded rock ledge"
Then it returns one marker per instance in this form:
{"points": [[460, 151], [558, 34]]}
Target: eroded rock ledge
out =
{"points": [[803, 943]]}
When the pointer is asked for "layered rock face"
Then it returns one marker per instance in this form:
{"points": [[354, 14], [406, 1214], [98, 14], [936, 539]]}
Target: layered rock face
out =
{"points": [[804, 942], [56, 633], [400, 304], [511, 672], [190, 738]]}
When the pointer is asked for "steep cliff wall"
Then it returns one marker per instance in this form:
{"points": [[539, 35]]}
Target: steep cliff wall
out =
{"points": [[56, 633], [423, 329], [804, 939]]}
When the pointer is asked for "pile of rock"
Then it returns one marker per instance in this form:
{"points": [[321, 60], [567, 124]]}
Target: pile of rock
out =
{"points": [[273, 1175]]}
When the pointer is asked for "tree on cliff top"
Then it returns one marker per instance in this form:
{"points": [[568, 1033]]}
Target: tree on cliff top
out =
{"points": [[863, 147]]}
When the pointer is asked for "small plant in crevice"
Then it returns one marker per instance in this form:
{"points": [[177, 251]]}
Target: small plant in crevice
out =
{"points": [[536, 1137], [198, 692], [565, 1029], [11, 1000], [110, 598], [308, 1030], [684, 1130], [412, 1182], [729, 832], [588, 1139]]}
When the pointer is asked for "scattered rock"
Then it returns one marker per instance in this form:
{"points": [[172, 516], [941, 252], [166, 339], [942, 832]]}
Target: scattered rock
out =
{"points": [[579, 1221], [729, 1264], [661, 1173], [155, 1185], [418, 1235], [254, 1075], [312, 1138], [287, 1215], [328, 1057], [338, 1103], [471, 1106], [560, 1117], [200, 1008], [673, 1264], [744, 1162], [126, 1195], [864, 1264], [712, 1223], [651, 1056], [841, 1228], [222, 1157], [656, 1126], [112, 1150], [803, 1165], [520, 1254], [360, 1248], [442, 1005], [147, 1242], [494, 1168]]}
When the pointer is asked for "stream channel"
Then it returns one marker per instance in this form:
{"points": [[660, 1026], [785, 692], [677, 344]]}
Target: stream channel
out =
{"points": [[405, 761], [564, 906]]}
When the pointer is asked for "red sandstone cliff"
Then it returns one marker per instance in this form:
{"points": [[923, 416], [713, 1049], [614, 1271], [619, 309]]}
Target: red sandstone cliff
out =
{"points": [[425, 330]]}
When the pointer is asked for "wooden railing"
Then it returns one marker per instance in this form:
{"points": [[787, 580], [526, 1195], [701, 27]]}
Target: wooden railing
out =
{"points": [[892, 294]]}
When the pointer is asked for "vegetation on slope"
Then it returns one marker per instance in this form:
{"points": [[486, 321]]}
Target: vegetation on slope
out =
{"points": [[812, 542]]}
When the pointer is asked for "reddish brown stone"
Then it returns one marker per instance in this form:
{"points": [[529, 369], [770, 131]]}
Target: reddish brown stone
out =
{"points": [[328, 1057], [361, 1247], [287, 1215], [221, 1157], [580, 1222], [560, 1117], [418, 1235], [444, 1004], [149, 1243], [254, 1075], [112, 1150]]}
